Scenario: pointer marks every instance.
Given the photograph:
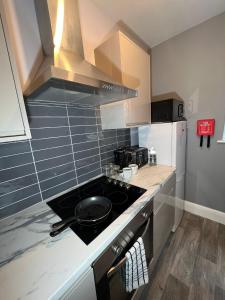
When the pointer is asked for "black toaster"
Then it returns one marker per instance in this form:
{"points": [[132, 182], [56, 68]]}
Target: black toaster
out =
{"points": [[131, 155]]}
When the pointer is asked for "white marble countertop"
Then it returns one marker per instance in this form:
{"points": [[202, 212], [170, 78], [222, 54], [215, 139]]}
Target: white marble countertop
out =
{"points": [[35, 266]]}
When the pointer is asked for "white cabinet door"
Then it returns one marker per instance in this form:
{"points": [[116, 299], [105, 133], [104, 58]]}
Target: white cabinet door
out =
{"points": [[13, 119], [164, 211], [128, 64], [136, 65], [83, 290]]}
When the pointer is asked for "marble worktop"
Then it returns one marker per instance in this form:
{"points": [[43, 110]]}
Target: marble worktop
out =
{"points": [[35, 266]]}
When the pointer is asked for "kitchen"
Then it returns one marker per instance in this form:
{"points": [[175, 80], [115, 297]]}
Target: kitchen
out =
{"points": [[91, 85]]}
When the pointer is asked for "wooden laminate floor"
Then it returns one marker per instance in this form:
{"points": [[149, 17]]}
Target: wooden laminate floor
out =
{"points": [[192, 265]]}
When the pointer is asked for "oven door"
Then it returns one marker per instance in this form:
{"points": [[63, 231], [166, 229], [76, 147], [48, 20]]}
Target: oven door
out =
{"points": [[111, 286]]}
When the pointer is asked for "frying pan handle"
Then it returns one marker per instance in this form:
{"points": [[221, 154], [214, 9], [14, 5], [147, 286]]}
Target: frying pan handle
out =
{"points": [[60, 223], [59, 229]]}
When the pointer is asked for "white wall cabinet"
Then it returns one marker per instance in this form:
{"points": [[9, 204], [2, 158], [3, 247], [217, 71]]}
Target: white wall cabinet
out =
{"points": [[128, 64], [13, 119], [83, 290], [164, 211]]}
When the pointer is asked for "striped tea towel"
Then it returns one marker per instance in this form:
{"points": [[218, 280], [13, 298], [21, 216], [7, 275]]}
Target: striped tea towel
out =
{"points": [[136, 271]]}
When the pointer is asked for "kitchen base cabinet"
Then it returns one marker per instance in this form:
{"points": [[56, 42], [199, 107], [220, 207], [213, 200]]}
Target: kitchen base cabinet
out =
{"points": [[164, 211], [83, 290]]}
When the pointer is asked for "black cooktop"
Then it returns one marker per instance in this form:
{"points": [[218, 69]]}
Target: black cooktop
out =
{"points": [[122, 195]]}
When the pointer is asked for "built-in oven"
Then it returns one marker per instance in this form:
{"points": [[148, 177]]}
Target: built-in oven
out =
{"points": [[108, 267]]}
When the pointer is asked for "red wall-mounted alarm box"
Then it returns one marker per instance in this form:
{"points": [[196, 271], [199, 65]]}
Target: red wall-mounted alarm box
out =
{"points": [[206, 127]]}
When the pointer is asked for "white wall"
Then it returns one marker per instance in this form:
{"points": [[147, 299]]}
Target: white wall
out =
{"points": [[193, 65]]}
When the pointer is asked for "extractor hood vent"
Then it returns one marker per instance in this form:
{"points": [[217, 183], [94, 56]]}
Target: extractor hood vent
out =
{"points": [[64, 74]]}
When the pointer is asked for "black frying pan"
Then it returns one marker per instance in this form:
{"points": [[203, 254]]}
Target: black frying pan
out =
{"points": [[89, 211]]}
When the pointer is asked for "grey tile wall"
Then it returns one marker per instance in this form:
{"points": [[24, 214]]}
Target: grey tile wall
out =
{"points": [[68, 147]]}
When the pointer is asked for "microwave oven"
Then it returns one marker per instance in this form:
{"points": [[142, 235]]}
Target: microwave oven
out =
{"points": [[169, 110]]}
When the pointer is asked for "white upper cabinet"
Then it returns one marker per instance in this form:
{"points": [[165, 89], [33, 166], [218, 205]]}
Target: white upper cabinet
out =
{"points": [[128, 64], [13, 119]]}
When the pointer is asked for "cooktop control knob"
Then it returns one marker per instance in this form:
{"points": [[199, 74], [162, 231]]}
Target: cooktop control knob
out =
{"points": [[127, 186], [145, 215], [121, 184], [116, 249]]}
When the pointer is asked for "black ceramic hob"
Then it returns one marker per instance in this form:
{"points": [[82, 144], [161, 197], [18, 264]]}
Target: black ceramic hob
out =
{"points": [[122, 195]]}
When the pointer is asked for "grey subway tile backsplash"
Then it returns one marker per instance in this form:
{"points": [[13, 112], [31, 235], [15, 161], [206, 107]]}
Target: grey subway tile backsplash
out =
{"points": [[107, 134], [46, 110], [16, 184], [122, 131], [84, 170], [88, 176], [82, 121], [50, 143], [86, 137], [84, 146], [86, 153], [124, 143], [13, 148], [106, 155], [53, 162], [108, 148], [84, 112], [44, 154], [83, 129], [68, 147], [52, 172], [107, 160], [87, 161], [19, 194], [59, 188], [43, 122], [16, 160], [14, 208], [46, 133], [64, 177], [12, 173], [108, 141], [122, 138]]}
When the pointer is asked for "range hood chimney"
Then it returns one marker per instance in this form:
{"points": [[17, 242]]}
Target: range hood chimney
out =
{"points": [[64, 74]]}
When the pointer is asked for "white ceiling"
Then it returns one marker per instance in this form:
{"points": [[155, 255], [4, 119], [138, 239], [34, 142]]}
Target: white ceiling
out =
{"points": [[158, 20]]}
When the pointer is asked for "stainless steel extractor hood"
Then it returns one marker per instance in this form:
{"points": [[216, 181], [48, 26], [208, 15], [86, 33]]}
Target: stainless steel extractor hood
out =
{"points": [[64, 74]]}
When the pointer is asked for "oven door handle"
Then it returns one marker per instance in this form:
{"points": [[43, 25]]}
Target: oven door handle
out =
{"points": [[146, 227], [117, 266], [123, 260]]}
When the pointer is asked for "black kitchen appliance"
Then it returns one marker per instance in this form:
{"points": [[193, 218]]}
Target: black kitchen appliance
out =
{"points": [[131, 155], [169, 110], [121, 195], [110, 264], [89, 211]]}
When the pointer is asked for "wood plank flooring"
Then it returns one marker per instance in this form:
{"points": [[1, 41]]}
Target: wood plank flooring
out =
{"points": [[192, 265]]}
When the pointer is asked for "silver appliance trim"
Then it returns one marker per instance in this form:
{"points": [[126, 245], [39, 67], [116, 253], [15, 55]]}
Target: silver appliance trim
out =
{"points": [[104, 264], [64, 73]]}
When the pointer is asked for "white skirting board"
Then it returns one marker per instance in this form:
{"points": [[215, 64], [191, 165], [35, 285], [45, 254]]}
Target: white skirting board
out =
{"points": [[205, 212]]}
